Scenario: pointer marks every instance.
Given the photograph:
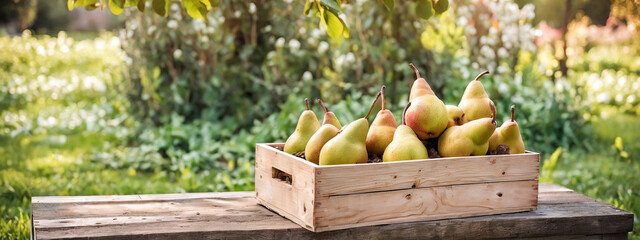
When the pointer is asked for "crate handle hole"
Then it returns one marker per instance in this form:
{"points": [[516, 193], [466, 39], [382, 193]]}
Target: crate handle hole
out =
{"points": [[281, 175]]}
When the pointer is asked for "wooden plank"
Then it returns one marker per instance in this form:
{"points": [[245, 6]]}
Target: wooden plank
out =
{"points": [[340, 179], [420, 204], [295, 199], [238, 216]]}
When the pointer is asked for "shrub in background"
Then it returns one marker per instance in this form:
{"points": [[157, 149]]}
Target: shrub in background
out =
{"points": [[205, 92]]}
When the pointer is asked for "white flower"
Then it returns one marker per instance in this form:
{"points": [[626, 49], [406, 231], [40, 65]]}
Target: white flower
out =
{"points": [[323, 46], [603, 97], [487, 52], [252, 8], [470, 30], [502, 69], [461, 21], [199, 25], [175, 7], [151, 29], [267, 28], [294, 44], [177, 54], [316, 32], [204, 39], [302, 31], [173, 24], [631, 98], [619, 97], [502, 87], [503, 53], [350, 58], [280, 42], [307, 76]]}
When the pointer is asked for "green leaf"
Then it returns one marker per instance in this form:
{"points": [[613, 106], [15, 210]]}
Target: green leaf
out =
{"points": [[333, 24], [70, 4], [206, 3], [161, 7], [307, 7], [424, 9], [333, 5], [389, 4], [116, 6], [141, 5], [440, 6], [195, 8]]}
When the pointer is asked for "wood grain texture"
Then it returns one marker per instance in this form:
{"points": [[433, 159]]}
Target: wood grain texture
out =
{"points": [[294, 200], [347, 211], [561, 214], [346, 179]]}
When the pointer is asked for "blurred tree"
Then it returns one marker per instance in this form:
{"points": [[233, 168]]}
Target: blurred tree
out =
{"points": [[17, 15], [558, 14]]}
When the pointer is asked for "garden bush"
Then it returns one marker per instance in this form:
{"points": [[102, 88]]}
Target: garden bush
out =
{"points": [[206, 92]]}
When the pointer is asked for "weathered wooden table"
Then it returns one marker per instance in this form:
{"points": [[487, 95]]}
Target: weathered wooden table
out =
{"points": [[561, 214]]}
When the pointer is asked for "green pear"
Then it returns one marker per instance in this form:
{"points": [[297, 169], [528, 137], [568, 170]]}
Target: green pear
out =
{"points": [[420, 86], [471, 138], [508, 134], [307, 125], [427, 115], [455, 115], [329, 117], [405, 144], [475, 102], [349, 146], [381, 130], [317, 141]]}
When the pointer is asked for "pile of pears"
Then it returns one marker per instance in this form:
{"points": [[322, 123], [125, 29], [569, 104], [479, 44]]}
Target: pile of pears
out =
{"points": [[468, 129]]}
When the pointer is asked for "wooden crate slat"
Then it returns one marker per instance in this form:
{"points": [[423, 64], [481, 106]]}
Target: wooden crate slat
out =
{"points": [[339, 179], [346, 211]]}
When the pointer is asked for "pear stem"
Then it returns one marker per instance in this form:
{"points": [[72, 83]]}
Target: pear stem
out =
{"points": [[306, 102], [382, 91], [373, 105], [415, 69], [513, 109], [322, 104], [480, 75], [404, 120]]}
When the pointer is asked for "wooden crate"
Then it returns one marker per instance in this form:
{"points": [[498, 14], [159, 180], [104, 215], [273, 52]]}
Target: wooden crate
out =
{"points": [[324, 198]]}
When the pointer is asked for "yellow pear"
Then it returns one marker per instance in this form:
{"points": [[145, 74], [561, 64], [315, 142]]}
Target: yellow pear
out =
{"points": [[455, 115], [329, 117], [420, 86], [471, 138], [307, 125], [349, 146], [427, 115], [475, 102], [381, 130], [405, 144], [508, 134], [317, 141]]}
